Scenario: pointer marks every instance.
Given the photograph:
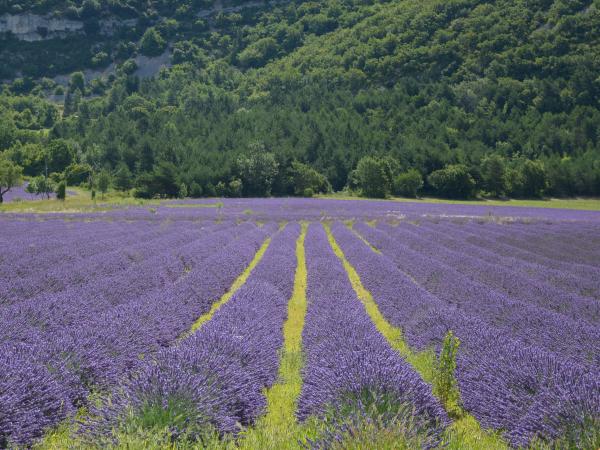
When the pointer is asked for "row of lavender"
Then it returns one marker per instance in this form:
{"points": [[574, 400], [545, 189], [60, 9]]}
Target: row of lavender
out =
{"points": [[70, 333], [530, 349], [220, 372], [347, 359], [55, 348]]}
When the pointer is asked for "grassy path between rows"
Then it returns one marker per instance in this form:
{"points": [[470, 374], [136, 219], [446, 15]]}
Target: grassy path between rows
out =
{"points": [[64, 435], [465, 432], [237, 284], [278, 428]]}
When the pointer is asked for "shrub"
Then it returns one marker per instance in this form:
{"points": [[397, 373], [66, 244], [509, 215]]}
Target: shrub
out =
{"points": [[152, 43], [444, 381], [183, 190], [61, 191], [408, 184], [454, 181], [372, 177]]}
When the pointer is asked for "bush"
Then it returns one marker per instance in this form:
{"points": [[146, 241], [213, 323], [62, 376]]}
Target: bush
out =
{"points": [[152, 43], [444, 381], [454, 181], [493, 174], [76, 174], [306, 179], [372, 177], [408, 184], [195, 190], [61, 191], [183, 190]]}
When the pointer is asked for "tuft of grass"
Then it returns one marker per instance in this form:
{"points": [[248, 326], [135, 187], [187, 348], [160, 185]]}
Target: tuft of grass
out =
{"points": [[465, 429], [372, 419]]}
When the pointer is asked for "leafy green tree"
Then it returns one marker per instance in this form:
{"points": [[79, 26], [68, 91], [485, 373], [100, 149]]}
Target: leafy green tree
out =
{"points": [[183, 190], [408, 184], [10, 176], [305, 179], [161, 182], [123, 179], [235, 188], [152, 43], [372, 177], [76, 173], [257, 172], [41, 185], [61, 191], [196, 190], [493, 173], [454, 181], [258, 53], [533, 178], [103, 181], [60, 155], [77, 82]]}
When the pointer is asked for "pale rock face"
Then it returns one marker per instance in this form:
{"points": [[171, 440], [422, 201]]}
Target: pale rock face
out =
{"points": [[32, 27]]}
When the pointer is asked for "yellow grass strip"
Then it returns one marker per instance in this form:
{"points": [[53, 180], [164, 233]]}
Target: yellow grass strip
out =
{"points": [[465, 432], [278, 428], [238, 283]]}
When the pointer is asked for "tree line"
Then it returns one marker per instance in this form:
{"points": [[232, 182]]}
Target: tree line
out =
{"points": [[454, 99]]}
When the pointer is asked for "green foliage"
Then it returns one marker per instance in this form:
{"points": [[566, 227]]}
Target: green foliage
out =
{"points": [[454, 181], [77, 82], [123, 178], [306, 180], [408, 184], [531, 179], [257, 171], [422, 85], [61, 191], [41, 185], [10, 175], [103, 181], [444, 381], [258, 53], [372, 419], [183, 191], [372, 177], [77, 173], [161, 182], [493, 173], [152, 43]]}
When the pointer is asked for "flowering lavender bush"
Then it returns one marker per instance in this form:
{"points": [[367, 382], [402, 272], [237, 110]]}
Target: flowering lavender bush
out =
{"points": [[346, 357]]}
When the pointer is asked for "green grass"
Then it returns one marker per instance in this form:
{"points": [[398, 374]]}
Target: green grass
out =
{"points": [[465, 433], [238, 283], [80, 202], [586, 204], [278, 428]]}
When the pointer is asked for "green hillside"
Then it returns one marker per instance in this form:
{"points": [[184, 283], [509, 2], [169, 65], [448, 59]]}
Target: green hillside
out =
{"points": [[451, 98]]}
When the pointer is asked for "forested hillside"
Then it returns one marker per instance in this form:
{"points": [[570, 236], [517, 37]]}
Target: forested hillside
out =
{"points": [[451, 98]]}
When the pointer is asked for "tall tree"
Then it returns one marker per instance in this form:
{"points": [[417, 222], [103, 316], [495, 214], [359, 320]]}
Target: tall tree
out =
{"points": [[10, 176]]}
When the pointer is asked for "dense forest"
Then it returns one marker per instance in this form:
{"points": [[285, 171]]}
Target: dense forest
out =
{"points": [[454, 98]]}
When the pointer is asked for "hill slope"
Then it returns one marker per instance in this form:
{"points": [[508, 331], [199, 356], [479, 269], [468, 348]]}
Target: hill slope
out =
{"points": [[418, 84]]}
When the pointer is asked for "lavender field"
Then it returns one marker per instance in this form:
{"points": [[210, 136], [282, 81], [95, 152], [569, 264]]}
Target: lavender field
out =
{"points": [[300, 323]]}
